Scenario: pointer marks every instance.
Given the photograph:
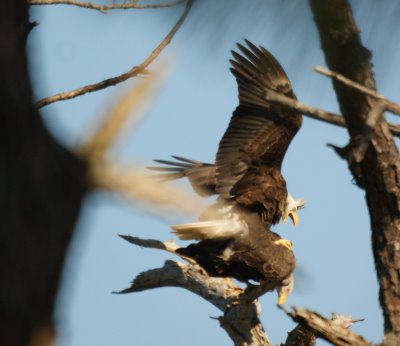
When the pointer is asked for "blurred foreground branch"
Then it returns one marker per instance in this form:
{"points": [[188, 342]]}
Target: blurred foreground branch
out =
{"points": [[134, 71], [130, 182]]}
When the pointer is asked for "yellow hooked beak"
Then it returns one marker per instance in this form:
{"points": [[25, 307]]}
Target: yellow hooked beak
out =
{"points": [[293, 216]]}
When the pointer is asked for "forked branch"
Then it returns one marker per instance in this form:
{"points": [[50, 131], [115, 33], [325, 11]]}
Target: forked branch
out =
{"points": [[134, 71]]}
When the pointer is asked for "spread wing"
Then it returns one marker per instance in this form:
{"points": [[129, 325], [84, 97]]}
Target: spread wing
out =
{"points": [[259, 132]]}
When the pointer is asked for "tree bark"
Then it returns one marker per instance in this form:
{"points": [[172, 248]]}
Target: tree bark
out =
{"points": [[41, 189], [335, 331], [377, 169], [240, 308]]}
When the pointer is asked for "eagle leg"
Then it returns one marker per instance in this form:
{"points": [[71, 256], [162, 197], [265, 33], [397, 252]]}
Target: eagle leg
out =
{"points": [[285, 289], [284, 242]]}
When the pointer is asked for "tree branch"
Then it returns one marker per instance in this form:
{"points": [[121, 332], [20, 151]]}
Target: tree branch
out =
{"points": [[134, 71], [104, 8], [315, 113], [334, 331], [241, 317], [300, 336], [389, 105]]}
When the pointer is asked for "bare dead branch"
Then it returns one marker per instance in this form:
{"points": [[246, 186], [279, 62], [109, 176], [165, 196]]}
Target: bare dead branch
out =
{"points": [[315, 113], [334, 331], [241, 317], [104, 8], [190, 277], [389, 105], [134, 71]]}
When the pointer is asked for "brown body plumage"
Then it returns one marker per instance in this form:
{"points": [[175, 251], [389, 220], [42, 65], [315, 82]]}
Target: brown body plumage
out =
{"points": [[234, 234], [255, 255], [248, 163]]}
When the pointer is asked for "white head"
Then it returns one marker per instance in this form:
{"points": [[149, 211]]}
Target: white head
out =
{"points": [[291, 208]]}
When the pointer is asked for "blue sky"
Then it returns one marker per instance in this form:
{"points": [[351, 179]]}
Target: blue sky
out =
{"points": [[73, 47]]}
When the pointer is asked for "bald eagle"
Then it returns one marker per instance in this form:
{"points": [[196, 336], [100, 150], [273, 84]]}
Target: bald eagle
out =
{"points": [[237, 245], [234, 236], [247, 169]]}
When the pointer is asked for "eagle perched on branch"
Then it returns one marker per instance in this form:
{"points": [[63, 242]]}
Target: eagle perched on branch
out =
{"points": [[235, 236]]}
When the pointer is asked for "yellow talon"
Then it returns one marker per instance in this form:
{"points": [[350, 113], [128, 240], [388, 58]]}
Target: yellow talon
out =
{"points": [[284, 242]]}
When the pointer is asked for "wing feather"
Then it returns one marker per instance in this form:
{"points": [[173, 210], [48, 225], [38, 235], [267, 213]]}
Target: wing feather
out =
{"points": [[259, 131]]}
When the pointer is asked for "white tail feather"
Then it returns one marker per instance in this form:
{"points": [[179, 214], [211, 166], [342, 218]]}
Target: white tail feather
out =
{"points": [[219, 229]]}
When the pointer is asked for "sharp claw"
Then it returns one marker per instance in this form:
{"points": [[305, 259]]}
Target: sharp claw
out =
{"points": [[284, 242]]}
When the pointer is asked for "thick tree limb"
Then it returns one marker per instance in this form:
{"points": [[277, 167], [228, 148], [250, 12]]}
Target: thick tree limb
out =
{"points": [[389, 105], [240, 318], [300, 336], [134, 71], [104, 8], [192, 278], [334, 331], [379, 169]]}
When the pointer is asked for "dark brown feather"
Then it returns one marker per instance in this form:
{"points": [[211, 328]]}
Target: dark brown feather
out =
{"points": [[250, 154], [201, 175], [254, 257]]}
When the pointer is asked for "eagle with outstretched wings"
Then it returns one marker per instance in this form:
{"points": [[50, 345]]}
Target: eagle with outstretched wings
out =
{"points": [[248, 163], [234, 236]]}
